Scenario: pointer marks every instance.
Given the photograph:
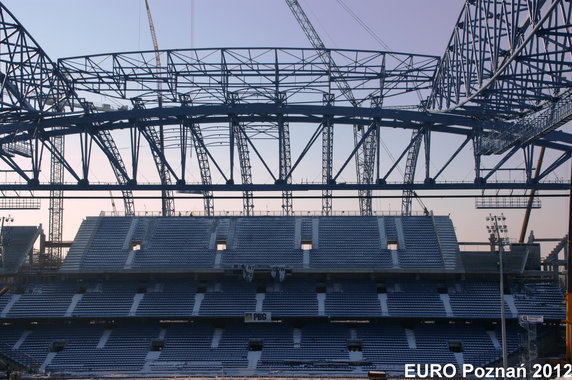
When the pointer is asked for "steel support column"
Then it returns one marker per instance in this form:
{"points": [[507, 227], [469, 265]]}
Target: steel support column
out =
{"points": [[245, 168], [327, 156], [204, 167], [56, 207], [409, 175]]}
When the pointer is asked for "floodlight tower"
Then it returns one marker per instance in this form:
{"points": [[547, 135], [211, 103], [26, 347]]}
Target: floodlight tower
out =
{"points": [[5, 219], [495, 228]]}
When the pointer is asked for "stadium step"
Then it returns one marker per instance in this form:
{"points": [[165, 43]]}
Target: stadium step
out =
{"points": [[129, 235], [298, 233], [21, 340], [553, 255], [253, 358], [315, 233], [411, 341], [103, 339], [154, 355], [459, 358], [150, 359], [355, 356], [80, 245], [447, 240], [383, 303], [383, 242], [197, 306], [49, 358], [130, 260], [297, 337], [509, 300], [494, 339], [13, 300], [137, 298], [217, 335], [447, 304], [260, 301], [212, 239], [382, 234], [231, 241], [400, 234], [218, 258], [394, 258], [306, 258], [74, 301], [321, 304]]}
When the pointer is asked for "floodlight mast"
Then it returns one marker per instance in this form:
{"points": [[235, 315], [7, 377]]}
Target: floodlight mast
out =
{"points": [[7, 219], [569, 280], [495, 230]]}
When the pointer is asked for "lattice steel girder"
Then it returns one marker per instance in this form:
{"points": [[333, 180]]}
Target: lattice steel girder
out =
{"points": [[257, 74], [306, 117], [239, 136], [154, 137], [528, 128], [256, 112], [327, 156], [32, 86], [298, 187], [410, 166], [105, 142], [505, 58], [55, 222], [285, 163], [203, 161]]}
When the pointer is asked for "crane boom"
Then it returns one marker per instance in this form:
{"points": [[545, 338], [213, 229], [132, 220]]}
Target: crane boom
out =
{"points": [[167, 200], [364, 166], [153, 35], [318, 44]]}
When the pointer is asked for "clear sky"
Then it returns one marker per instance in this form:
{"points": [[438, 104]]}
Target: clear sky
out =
{"points": [[76, 27]]}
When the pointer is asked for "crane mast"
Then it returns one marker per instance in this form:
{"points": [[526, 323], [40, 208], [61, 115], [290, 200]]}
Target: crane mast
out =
{"points": [[364, 166]]}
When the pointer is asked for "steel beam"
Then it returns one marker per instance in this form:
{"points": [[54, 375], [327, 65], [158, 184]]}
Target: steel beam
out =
{"points": [[327, 156]]}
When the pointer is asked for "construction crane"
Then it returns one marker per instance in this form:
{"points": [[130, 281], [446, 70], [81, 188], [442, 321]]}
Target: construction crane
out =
{"points": [[364, 156], [154, 37], [114, 209], [167, 203]]}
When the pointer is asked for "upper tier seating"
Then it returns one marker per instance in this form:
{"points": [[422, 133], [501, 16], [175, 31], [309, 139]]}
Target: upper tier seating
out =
{"points": [[146, 244]]}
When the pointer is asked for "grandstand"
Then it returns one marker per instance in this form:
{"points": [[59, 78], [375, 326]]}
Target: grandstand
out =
{"points": [[161, 296], [229, 291]]}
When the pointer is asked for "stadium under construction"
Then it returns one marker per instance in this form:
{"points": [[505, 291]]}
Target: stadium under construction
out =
{"points": [[292, 293]]}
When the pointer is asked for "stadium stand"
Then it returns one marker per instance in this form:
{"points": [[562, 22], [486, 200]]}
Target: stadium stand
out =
{"points": [[342, 296], [17, 244]]}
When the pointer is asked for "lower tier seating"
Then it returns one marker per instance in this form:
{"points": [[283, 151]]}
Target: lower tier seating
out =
{"points": [[234, 347]]}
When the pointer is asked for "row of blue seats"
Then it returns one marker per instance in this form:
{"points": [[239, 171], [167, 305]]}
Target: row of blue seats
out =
{"points": [[149, 347], [189, 242], [343, 298]]}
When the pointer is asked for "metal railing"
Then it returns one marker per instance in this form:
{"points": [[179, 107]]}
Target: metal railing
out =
{"points": [[259, 213]]}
